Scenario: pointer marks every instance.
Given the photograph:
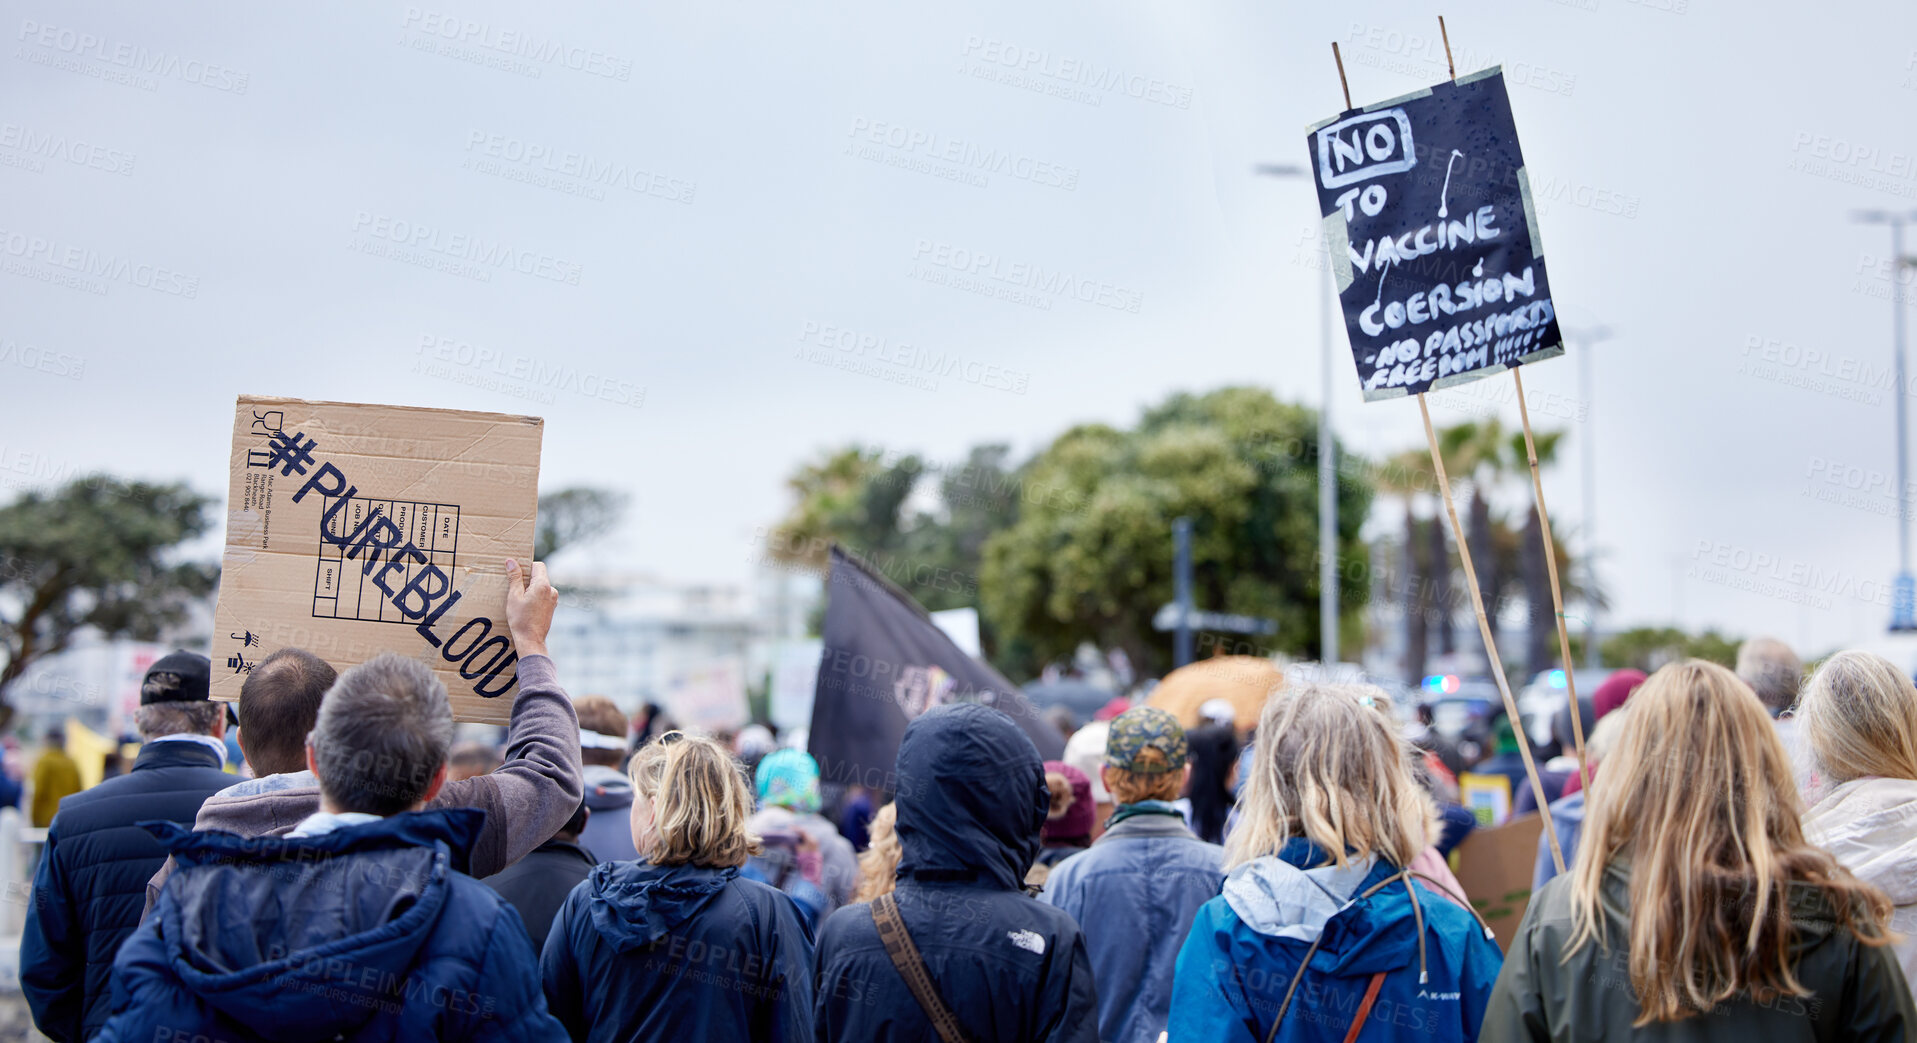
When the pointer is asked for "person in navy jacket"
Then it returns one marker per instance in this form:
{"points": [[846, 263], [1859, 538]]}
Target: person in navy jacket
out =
{"points": [[678, 945], [360, 924], [90, 885], [971, 801]]}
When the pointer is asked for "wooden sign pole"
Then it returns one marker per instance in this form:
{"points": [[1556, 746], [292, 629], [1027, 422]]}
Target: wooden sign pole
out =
{"points": [[1550, 544], [1490, 643], [1495, 663], [1557, 592], [1477, 597]]}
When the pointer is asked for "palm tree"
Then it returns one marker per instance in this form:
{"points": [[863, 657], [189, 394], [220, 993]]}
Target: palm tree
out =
{"points": [[1540, 645], [1406, 475], [1475, 451]]}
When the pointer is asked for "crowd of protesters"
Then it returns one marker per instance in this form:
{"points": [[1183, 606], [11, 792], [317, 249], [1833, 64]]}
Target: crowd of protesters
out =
{"points": [[1738, 850]]}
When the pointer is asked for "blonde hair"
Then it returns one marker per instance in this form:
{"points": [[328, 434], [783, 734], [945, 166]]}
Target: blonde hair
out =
{"points": [[1698, 797], [701, 802], [1603, 738], [1859, 714], [879, 863], [1331, 767]]}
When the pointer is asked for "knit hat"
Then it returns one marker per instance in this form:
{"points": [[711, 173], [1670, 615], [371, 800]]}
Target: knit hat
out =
{"points": [[789, 779], [177, 677], [1139, 729], [1615, 690], [1070, 814]]}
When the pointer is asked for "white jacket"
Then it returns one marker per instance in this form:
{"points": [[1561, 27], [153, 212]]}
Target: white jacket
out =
{"points": [[1870, 824]]}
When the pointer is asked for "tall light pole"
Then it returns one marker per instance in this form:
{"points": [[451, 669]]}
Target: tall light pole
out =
{"points": [[1181, 590], [1585, 340], [1327, 459], [1904, 593]]}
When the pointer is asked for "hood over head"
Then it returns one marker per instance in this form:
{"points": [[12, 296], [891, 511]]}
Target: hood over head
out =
{"points": [[306, 939], [971, 798], [606, 788], [634, 904]]}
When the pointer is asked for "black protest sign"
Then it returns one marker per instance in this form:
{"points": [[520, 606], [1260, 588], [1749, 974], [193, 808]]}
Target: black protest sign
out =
{"points": [[884, 662], [1433, 239]]}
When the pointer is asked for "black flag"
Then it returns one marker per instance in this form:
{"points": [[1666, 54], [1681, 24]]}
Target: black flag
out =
{"points": [[884, 663]]}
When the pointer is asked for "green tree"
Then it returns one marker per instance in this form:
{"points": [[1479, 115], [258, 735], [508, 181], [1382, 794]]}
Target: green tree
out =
{"points": [[976, 498], [1474, 452], [1647, 648], [99, 553], [575, 515], [850, 496], [857, 498], [1541, 651], [1407, 475], [1090, 556]]}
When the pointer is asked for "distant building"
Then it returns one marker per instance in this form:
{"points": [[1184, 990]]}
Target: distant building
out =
{"points": [[635, 638]]}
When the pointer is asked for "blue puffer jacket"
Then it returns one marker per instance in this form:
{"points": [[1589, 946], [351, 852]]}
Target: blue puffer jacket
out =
{"points": [[1159, 873], [645, 952], [370, 932], [1246, 945], [971, 799], [90, 886]]}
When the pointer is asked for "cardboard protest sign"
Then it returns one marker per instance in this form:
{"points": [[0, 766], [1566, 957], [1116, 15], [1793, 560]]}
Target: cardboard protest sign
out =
{"points": [[1432, 237], [1495, 867], [359, 529]]}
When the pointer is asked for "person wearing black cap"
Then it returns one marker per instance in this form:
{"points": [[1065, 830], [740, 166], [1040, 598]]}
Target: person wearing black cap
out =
{"points": [[90, 886]]}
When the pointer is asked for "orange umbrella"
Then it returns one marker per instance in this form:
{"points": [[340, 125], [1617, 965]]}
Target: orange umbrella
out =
{"points": [[1243, 681]]}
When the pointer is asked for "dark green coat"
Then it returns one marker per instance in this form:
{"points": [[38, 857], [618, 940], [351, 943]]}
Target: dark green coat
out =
{"points": [[1858, 991]]}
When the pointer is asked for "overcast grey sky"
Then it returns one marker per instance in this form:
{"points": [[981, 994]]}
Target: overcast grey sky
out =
{"points": [[674, 213]]}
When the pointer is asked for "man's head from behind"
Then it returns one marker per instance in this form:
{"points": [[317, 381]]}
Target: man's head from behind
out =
{"points": [[602, 731], [1146, 756], [174, 698], [1772, 670], [383, 734], [279, 704]]}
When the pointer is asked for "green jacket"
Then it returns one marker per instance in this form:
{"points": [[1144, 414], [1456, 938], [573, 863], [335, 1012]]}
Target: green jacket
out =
{"points": [[1858, 991]]}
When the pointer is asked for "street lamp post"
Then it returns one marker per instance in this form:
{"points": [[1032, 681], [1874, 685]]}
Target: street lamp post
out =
{"points": [[1327, 461], [1585, 341], [1903, 602], [1181, 590]]}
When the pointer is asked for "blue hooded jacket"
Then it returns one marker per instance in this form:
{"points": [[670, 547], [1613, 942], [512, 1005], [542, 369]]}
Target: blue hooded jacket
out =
{"points": [[1246, 945], [645, 952], [369, 932], [971, 800]]}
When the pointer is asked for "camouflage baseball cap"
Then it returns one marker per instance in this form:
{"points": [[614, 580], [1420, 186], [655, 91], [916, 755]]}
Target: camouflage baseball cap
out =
{"points": [[1142, 728]]}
